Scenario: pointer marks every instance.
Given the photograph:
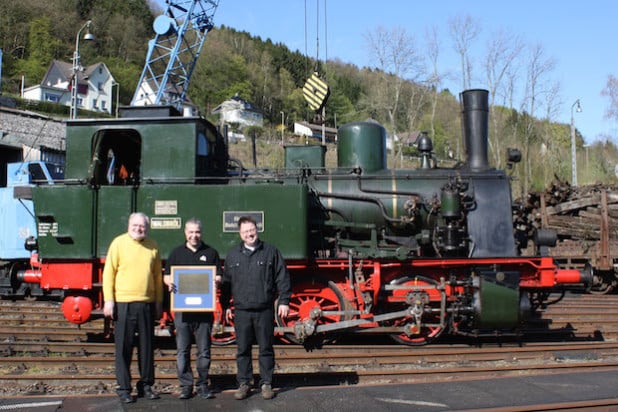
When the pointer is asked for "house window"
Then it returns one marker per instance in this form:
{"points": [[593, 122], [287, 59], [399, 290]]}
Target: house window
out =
{"points": [[94, 103], [100, 86], [100, 70], [103, 105], [50, 97]]}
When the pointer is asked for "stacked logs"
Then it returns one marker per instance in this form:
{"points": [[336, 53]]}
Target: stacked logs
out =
{"points": [[573, 212], [585, 220]]}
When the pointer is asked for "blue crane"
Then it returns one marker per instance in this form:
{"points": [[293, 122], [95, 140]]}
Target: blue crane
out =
{"points": [[173, 53]]}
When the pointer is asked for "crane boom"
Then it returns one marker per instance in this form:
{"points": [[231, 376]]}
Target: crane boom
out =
{"points": [[173, 53]]}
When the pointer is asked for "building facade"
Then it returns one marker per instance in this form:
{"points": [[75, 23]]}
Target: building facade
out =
{"points": [[94, 90], [239, 111]]}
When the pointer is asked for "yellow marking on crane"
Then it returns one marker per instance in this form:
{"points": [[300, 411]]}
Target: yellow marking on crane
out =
{"points": [[316, 92]]}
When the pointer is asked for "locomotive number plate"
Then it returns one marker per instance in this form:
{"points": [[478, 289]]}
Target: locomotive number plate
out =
{"points": [[165, 223], [230, 220], [166, 207]]}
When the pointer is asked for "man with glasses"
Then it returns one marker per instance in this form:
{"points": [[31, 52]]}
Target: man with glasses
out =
{"points": [[255, 276]]}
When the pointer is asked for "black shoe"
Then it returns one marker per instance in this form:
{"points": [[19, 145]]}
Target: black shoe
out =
{"points": [[186, 393], [126, 397], [147, 392], [205, 393]]}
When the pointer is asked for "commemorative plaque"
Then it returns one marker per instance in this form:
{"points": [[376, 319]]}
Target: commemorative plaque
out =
{"points": [[195, 288]]}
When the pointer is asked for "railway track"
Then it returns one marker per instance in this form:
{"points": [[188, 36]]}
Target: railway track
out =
{"points": [[588, 406], [42, 353]]}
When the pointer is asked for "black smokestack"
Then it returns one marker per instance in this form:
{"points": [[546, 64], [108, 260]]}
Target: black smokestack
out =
{"points": [[475, 115]]}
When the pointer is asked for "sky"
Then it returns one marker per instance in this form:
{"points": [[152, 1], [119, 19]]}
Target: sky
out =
{"points": [[581, 38]]}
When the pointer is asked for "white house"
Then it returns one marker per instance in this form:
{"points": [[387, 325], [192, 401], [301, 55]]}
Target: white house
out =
{"points": [[147, 94], [315, 130], [94, 89], [240, 111]]}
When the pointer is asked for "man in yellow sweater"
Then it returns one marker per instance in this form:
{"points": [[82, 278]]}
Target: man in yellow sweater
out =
{"points": [[133, 294]]}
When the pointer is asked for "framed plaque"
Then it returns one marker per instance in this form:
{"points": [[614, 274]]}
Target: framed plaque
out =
{"points": [[195, 288]]}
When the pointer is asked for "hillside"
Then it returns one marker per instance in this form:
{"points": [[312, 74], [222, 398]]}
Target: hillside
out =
{"points": [[269, 75]]}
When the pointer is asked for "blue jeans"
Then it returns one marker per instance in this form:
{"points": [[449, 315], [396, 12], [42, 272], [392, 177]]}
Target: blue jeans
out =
{"points": [[189, 325], [258, 325]]}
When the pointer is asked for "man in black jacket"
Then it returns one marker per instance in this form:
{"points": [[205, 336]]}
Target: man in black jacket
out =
{"points": [[255, 275], [193, 252]]}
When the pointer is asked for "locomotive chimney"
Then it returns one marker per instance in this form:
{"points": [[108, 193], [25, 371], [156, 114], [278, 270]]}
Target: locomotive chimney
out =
{"points": [[475, 109]]}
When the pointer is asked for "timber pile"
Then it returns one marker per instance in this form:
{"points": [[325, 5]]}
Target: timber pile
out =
{"points": [[573, 212]]}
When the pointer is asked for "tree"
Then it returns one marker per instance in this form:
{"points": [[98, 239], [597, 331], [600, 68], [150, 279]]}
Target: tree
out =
{"points": [[398, 62], [264, 80], [611, 91], [42, 48], [503, 50], [536, 85], [464, 30], [434, 80]]}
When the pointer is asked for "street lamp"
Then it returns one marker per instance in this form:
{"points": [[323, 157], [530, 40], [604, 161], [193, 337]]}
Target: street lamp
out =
{"points": [[282, 125], [117, 94], [76, 67], [573, 152]]}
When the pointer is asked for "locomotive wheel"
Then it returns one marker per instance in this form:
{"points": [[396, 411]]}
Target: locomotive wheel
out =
{"points": [[309, 295], [427, 334]]}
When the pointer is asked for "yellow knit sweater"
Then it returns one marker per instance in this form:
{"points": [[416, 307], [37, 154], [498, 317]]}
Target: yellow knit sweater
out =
{"points": [[132, 271]]}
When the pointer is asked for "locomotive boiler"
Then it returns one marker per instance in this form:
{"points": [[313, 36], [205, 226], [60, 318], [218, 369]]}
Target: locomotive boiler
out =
{"points": [[408, 253]]}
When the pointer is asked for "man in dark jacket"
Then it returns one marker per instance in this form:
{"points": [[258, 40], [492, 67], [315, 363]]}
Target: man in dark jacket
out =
{"points": [[255, 276]]}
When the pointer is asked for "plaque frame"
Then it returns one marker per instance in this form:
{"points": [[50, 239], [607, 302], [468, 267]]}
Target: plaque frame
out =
{"points": [[182, 300]]}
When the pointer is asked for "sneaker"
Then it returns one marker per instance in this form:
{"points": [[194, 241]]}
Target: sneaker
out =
{"points": [[267, 391], [242, 392]]}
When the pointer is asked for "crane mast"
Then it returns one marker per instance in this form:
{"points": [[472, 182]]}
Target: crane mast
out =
{"points": [[174, 51]]}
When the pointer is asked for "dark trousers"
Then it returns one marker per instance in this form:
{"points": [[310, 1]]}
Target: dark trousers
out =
{"points": [[131, 318], [253, 326], [189, 325]]}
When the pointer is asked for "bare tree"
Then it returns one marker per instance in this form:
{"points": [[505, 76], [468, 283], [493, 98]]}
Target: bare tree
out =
{"points": [[464, 30], [398, 62], [435, 77], [397, 58], [611, 91], [503, 49], [538, 67], [551, 151]]}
